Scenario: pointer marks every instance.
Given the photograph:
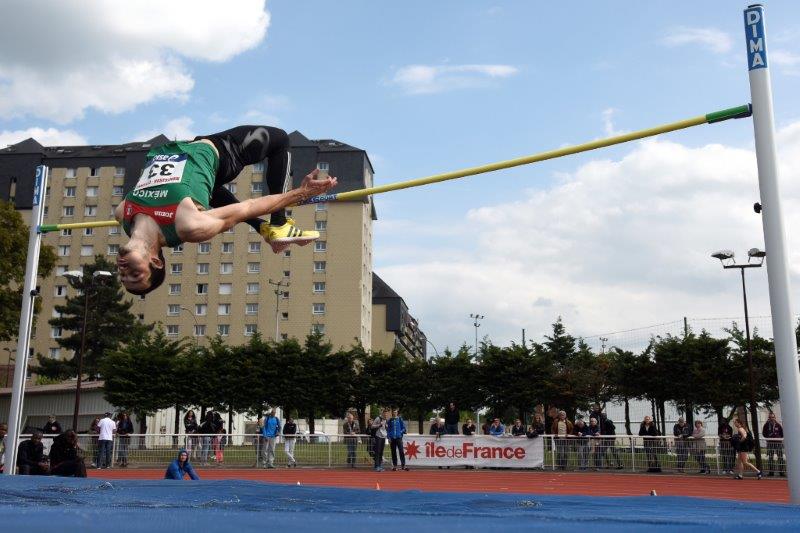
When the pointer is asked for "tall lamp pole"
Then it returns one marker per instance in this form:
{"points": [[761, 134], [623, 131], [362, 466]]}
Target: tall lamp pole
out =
{"points": [[77, 276], [726, 258], [477, 324], [278, 286], [194, 318]]}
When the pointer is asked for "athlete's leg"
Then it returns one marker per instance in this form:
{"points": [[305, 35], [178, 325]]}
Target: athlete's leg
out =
{"points": [[221, 197]]}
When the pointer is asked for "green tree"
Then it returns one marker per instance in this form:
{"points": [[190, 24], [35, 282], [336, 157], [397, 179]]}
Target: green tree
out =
{"points": [[418, 386], [626, 377], [14, 235], [509, 380], [456, 378], [109, 322]]}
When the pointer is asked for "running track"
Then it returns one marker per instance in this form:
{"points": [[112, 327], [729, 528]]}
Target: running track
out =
{"points": [[510, 481]]}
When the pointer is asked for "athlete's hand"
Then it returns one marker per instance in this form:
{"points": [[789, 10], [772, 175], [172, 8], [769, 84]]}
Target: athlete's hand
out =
{"points": [[312, 185]]}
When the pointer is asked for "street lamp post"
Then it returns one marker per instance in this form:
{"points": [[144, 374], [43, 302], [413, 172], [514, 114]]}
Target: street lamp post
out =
{"points": [[477, 324], [434, 346], [278, 286], [194, 318], [77, 275], [753, 253]]}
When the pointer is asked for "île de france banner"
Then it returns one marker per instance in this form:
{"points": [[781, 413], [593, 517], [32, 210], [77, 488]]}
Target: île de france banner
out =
{"points": [[477, 450]]}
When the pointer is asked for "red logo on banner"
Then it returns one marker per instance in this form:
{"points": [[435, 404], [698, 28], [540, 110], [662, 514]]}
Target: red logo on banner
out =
{"points": [[411, 450], [464, 450]]}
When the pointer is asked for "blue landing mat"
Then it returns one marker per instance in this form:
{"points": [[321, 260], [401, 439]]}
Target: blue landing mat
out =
{"points": [[32, 504]]}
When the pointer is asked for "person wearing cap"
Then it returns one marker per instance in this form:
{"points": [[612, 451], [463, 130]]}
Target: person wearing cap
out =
{"points": [[105, 441], [180, 467]]}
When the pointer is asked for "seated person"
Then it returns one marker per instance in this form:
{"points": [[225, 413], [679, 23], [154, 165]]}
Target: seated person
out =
{"points": [[66, 457], [181, 467], [30, 456]]}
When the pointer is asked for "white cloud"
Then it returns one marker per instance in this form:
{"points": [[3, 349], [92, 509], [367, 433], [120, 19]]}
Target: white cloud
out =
{"points": [[45, 137], [179, 128], [615, 244], [59, 59], [608, 122], [715, 40], [427, 79]]}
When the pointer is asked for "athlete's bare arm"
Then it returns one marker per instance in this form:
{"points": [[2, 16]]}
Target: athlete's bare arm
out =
{"points": [[119, 211], [194, 225]]}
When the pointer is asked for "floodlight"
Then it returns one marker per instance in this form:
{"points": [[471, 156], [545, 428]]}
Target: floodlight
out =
{"points": [[722, 255]]}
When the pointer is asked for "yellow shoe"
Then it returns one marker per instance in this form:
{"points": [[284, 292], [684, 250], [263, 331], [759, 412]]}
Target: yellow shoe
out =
{"points": [[279, 237]]}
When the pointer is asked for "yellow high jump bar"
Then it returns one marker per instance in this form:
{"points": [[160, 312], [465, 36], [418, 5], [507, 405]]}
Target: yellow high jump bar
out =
{"points": [[709, 118]]}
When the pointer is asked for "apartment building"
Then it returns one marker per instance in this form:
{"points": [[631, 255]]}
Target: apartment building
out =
{"points": [[233, 285], [393, 326]]}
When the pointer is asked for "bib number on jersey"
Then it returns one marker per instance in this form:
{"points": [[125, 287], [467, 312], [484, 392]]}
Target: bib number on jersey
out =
{"points": [[162, 170]]}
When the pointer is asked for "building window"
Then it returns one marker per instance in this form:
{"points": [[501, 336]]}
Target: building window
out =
{"points": [[90, 210], [70, 173], [202, 288], [318, 309], [231, 230], [61, 270], [91, 192], [88, 232], [320, 246], [224, 309], [94, 172], [318, 328], [87, 250], [319, 266], [258, 167], [231, 187], [60, 290], [200, 309], [250, 330], [323, 166], [55, 353], [177, 268], [113, 230], [255, 247], [204, 248], [119, 172], [69, 192], [199, 330], [173, 330], [251, 309], [285, 295], [253, 268], [117, 190], [55, 332], [63, 250], [113, 249], [284, 316], [227, 247], [287, 253], [321, 225], [177, 249], [173, 309], [287, 273], [223, 330], [69, 210], [225, 288], [66, 232], [319, 286], [321, 206], [257, 187], [226, 268], [202, 268], [253, 288], [174, 288]]}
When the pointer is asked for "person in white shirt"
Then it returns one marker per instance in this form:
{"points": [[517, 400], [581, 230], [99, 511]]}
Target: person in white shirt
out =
{"points": [[105, 440]]}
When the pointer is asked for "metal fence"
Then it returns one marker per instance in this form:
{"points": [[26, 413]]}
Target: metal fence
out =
{"points": [[621, 452]]}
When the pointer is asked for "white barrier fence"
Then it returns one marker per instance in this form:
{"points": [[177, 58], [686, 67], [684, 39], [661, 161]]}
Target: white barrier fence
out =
{"points": [[620, 452]]}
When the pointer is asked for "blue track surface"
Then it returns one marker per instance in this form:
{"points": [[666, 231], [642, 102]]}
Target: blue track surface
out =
{"points": [[56, 504]]}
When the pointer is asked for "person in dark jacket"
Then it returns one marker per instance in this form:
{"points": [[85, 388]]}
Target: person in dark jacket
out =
{"points": [[438, 428], [538, 424], [191, 426], [181, 467], [206, 430], [682, 432], [726, 451], [648, 430], [610, 444], [52, 427], [468, 428], [518, 430], [451, 418], [124, 430], [395, 429], [30, 456], [351, 427], [66, 457], [289, 440], [773, 432]]}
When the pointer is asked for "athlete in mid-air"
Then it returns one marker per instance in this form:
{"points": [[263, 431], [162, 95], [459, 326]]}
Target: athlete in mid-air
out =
{"points": [[180, 198]]}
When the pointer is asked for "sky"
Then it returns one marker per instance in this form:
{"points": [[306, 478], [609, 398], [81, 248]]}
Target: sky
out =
{"points": [[608, 240]]}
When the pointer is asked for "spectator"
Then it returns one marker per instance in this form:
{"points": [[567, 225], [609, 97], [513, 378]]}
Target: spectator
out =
{"points": [[438, 428], [181, 467], [395, 429], [94, 431], [468, 428], [562, 428], [532, 432], [538, 424], [105, 441], [610, 443], [597, 414], [272, 426], [595, 443], [351, 427], [699, 444], [451, 419], [518, 430], [206, 432], [215, 439], [773, 432], [3, 432], [648, 430], [222, 441], [30, 456], [289, 440], [66, 457], [379, 438], [191, 427], [259, 440], [52, 427], [743, 444], [497, 429], [485, 427], [726, 451], [682, 432], [124, 430], [580, 433]]}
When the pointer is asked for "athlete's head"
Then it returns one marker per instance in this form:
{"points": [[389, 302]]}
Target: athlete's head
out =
{"points": [[140, 268]]}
